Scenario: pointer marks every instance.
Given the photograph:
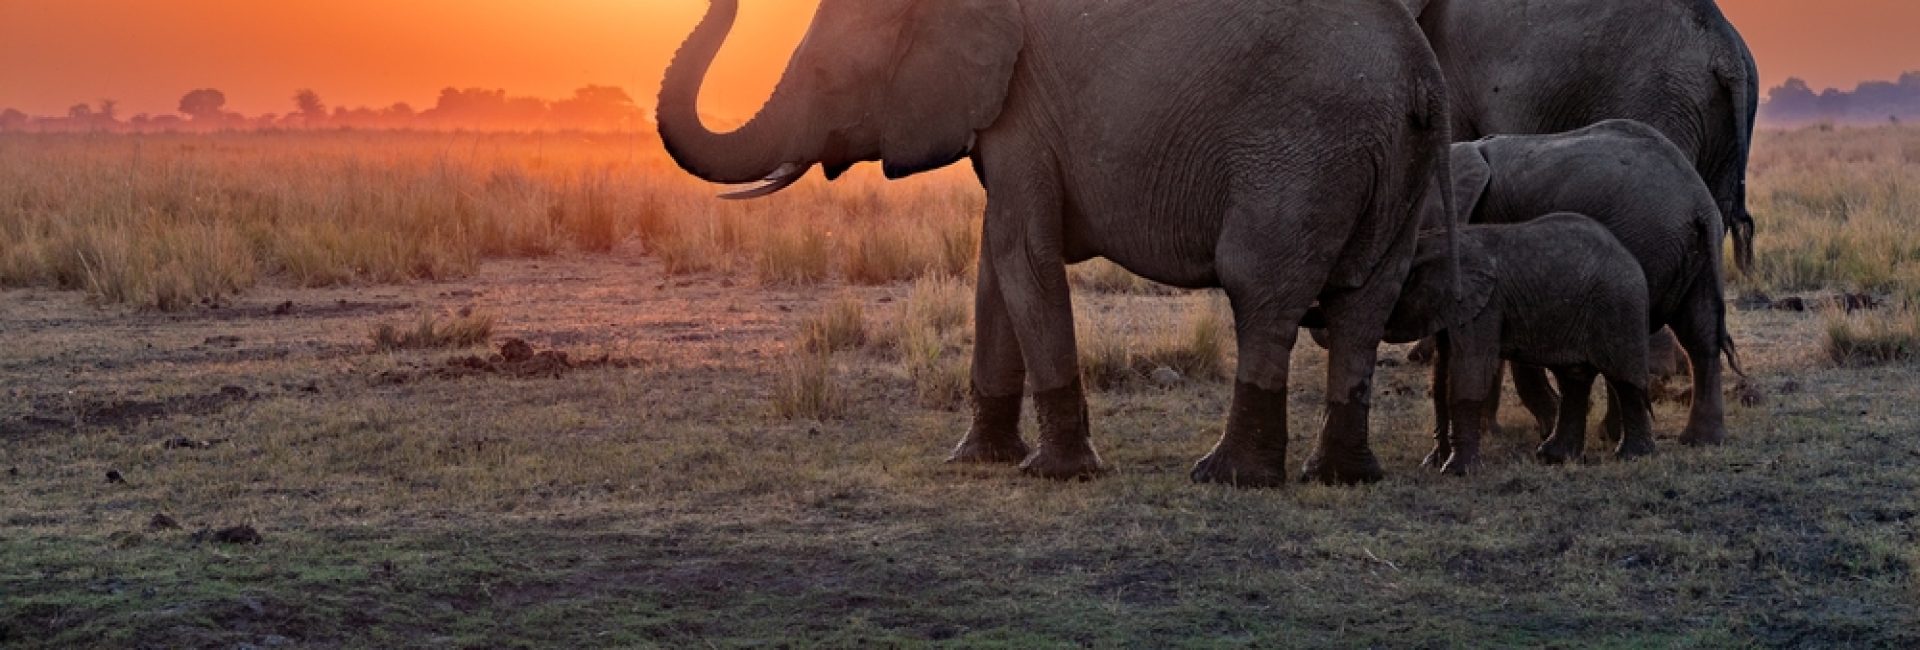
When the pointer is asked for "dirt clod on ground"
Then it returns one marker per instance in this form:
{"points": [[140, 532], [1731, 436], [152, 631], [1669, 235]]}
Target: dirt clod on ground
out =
{"points": [[114, 477], [516, 351], [161, 521], [184, 442], [1848, 301], [241, 534], [517, 359]]}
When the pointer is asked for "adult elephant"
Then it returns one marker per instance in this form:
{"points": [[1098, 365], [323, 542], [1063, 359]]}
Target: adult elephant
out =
{"points": [[1274, 149], [1549, 66]]}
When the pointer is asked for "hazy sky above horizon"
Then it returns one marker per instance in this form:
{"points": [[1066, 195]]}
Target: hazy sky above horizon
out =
{"points": [[146, 54]]}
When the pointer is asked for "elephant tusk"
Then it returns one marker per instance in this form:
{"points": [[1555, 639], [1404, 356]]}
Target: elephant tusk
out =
{"points": [[780, 179]]}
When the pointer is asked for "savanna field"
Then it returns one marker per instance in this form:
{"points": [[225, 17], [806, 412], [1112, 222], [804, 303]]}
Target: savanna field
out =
{"points": [[363, 389]]}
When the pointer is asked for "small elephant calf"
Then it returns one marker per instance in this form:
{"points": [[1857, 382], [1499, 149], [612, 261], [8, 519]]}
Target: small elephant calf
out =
{"points": [[1557, 292]]}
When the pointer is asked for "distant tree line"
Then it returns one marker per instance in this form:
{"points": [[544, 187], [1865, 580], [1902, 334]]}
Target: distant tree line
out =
{"points": [[1795, 103], [592, 108]]}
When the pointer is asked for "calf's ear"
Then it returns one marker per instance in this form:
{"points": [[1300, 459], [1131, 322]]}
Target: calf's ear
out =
{"points": [[1479, 273]]}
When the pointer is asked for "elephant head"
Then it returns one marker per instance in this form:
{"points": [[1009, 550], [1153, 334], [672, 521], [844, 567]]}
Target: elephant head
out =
{"points": [[905, 82], [1427, 301]]}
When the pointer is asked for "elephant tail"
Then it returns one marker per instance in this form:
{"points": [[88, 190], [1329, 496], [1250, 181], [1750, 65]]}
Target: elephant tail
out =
{"points": [[1449, 204], [1740, 81], [1727, 347]]}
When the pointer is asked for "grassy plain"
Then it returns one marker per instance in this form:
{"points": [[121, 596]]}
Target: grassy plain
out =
{"points": [[742, 447]]}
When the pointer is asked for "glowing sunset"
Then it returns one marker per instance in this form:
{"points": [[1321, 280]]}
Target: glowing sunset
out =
{"points": [[959, 323], [374, 53]]}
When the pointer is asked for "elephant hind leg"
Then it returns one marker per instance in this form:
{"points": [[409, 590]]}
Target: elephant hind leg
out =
{"points": [[1530, 383], [1253, 450], [1569, 438], [1629, 398], [1699, 328]]}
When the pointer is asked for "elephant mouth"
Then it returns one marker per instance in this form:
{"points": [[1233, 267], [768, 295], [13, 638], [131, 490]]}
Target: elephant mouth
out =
{"points": [[780, 179]]}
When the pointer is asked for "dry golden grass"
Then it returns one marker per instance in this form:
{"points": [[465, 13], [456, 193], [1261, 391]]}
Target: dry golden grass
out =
{"points": [[1114, 355], [1836, 211], [841, 326], [1873, 338], [725, 477], [806, 389], [168, 220], [463, 330]]}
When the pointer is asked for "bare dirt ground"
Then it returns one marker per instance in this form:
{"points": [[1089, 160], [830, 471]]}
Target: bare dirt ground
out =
{"points": [[644, 493]]}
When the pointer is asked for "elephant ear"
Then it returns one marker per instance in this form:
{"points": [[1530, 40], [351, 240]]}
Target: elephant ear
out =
{"points": [[951, 74], [1427, 304], [1416, 6], [1471, 176], [1479, 273]]}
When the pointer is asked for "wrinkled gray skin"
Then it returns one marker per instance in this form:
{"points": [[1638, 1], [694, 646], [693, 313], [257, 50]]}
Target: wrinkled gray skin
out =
{"points": [[1276, 149], [1548, 66], [1632, 180], [1557, 292]]}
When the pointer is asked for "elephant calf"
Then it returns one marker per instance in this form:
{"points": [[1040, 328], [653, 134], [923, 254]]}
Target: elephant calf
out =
{"points": [[1558, 292]]}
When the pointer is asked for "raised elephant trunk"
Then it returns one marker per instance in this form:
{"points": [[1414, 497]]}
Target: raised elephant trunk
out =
{"points": [[752, 153]]}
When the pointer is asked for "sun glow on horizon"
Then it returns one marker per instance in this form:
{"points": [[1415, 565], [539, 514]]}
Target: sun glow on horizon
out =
{"points": [[146, 55]]}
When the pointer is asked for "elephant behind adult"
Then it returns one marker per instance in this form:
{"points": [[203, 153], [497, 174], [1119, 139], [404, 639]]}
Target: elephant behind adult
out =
{"points": [[1632, 180], [1277, 149], [1549, 66]]}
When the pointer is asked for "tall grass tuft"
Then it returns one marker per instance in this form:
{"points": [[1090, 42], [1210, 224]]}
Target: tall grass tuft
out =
{"points": [[1873, 337], [885, 255], [463, 330], [805, 389], [1196, 349], [794, 257], [841, 326], [940, 371]]}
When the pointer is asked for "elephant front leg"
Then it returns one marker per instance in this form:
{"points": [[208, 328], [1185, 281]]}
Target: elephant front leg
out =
{"points": [[1473, 391], [1031, 275], [1442, 418], [1253, 451], [999, 378]]}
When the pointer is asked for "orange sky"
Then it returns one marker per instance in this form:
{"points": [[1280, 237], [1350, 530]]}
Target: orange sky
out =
{"points": [[146, 53]]}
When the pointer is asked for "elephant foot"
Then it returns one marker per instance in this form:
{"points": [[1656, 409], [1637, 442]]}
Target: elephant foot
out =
{"points": [[1461, 464], [1343, 456], [1634, 447], [1703, 436], [978, 450], [1066, 448], [1321, 468], [1253, 452], [1556, 452], [1437, 458], [1243, 470], [995, 435], [1064, 464]]}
